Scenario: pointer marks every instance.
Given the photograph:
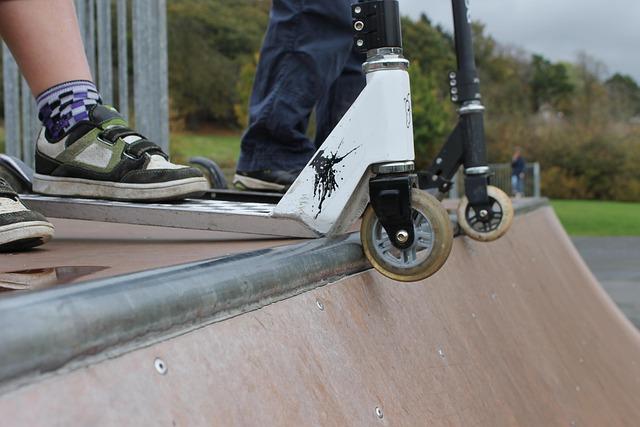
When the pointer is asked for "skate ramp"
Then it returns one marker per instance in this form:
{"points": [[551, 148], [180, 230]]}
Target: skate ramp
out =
{"points": [[515, 332]]}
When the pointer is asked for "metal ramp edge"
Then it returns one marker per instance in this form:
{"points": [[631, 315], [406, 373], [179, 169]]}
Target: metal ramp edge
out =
{"points": [[68, 327]]}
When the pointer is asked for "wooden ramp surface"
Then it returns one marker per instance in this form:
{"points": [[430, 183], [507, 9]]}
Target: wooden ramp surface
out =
{"points": [[114, 249], [511, 333]]}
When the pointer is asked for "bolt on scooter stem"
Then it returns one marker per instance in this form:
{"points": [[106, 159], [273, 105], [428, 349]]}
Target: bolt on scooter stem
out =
{"points": [[377, 24]]}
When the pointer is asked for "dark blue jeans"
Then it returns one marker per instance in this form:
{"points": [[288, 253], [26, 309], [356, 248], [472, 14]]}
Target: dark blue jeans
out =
{"points": [[307, 60]]}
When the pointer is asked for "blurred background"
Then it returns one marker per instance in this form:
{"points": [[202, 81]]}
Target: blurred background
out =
{"points": [[559, 80]]}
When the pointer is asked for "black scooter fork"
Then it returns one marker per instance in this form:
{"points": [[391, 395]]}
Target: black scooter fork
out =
{"points": [[466, 145]]}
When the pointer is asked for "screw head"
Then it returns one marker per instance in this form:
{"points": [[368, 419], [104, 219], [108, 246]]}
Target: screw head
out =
{"points": [[402, 236], [483, 213], [379, 412], [357, 10], [454, 98], [358, 25], [453, 82], [360, 42], [160, 366], [438, 161], [452, 75]]}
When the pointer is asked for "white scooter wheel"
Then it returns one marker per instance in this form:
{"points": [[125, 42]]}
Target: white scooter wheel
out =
{"points": [[427, 254], [501, 217]]}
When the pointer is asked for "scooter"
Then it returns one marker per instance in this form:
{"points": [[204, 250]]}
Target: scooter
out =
{"points": [[485, 213], [365, 169]]}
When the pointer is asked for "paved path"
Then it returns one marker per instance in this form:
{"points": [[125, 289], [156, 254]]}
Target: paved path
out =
{"points": [[615, 261]]}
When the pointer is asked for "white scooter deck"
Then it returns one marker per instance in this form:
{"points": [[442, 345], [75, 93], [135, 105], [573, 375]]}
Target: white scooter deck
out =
{"points": [[212, 215]]}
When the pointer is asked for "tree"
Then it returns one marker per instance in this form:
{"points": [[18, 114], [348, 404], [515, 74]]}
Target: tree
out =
{"points": [[550, 83], [431, 117], [209, 42], [624, 94]]}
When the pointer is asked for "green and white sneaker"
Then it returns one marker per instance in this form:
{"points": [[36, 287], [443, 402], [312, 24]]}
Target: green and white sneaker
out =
{"points": [[20, 228], [103, 158]]}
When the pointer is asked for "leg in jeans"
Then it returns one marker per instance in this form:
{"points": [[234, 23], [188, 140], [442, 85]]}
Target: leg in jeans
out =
{"points": [[343, 92], [306, 48]]}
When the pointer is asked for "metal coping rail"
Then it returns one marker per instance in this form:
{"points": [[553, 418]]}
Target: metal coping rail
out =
{"points": [[65, 328]]}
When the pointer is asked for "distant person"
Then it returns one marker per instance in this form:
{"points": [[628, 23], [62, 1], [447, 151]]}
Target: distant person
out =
{"points": [[517, 173], [307, 61], [85, 148]]}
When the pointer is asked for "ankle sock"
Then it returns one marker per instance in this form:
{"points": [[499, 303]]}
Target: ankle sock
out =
{"points": [[66, 104]]}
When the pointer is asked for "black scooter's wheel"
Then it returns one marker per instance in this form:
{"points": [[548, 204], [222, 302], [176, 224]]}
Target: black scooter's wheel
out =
{"points": [[211, 171], [487, 226], [430, 250]]}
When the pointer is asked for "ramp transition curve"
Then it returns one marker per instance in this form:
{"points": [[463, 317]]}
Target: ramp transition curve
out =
{"points": [[515, 332]]}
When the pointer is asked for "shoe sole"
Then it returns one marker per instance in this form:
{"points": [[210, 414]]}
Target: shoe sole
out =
{"points": [[24, 235], [247, 183], [87, 188]]}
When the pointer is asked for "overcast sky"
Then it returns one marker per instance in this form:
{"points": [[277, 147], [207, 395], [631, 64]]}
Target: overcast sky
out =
{"points": [[608, 30]]}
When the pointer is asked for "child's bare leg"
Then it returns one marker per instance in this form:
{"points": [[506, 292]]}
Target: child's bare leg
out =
{"points": [[85, 148], [44, 37]]}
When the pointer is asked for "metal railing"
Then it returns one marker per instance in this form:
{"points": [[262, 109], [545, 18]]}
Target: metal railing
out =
{"points": [[146, 21], [502, 179]]}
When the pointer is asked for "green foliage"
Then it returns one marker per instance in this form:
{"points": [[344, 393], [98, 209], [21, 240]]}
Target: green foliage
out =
{"points": [[584, 131], [549, 83], [503, 75], [209, 42], [431, 117], [625, 95], [430, 51]]}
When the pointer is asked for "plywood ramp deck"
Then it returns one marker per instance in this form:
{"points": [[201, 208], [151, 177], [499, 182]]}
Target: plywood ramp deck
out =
{"points": [[511, 333], [123, 248]]}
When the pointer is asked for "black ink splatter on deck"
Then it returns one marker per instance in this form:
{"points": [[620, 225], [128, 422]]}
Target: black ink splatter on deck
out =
{"points": [[325, 183]]}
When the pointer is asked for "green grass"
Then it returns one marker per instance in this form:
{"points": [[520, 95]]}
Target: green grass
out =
{"points": [[223, 149], [593, 218]]}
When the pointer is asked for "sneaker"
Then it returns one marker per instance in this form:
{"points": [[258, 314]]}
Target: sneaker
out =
{"points": [[102, 158], [20, 228], [264, 180]]}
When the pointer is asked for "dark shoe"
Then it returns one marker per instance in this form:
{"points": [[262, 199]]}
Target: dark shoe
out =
{"points": [[264, 180], [20, 228], [102, 158]]}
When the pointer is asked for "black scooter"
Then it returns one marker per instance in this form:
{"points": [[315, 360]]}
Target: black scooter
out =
{"points": [[485, 212]]}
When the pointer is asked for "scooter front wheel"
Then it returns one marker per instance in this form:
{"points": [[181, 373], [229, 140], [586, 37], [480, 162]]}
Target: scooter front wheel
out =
{"points": [[490, 225], [427, 254]]}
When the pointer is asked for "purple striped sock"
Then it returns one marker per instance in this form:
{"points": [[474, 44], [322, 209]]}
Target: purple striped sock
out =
{"points": [[66, 104]]}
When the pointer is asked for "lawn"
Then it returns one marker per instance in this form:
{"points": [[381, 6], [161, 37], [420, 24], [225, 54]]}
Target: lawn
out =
{"points": [[223, 149], [594, 218]]}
